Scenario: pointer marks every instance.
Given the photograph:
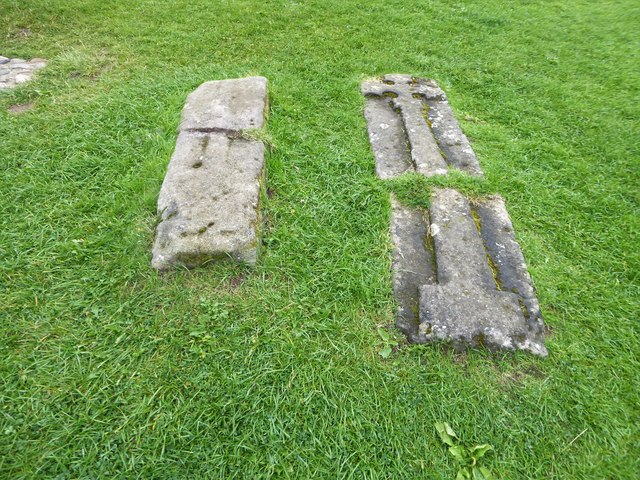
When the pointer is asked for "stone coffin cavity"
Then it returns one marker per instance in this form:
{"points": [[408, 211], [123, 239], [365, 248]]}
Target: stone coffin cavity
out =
{"points": [[412, 128], [413, 264], [209, 203], [465, 281]]}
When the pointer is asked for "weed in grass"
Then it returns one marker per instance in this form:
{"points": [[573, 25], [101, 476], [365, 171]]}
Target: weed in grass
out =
{"points": [[467, 457], [388, 343]]}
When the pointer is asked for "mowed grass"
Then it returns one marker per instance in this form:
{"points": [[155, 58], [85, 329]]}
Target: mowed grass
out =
{"points": [[108, 370]]}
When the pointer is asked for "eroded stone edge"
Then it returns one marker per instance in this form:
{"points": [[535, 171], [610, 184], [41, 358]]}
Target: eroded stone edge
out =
{"points": [[450, 137], [214, 106], [504, 250]]}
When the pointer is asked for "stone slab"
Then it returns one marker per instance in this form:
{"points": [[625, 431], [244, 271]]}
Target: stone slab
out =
{"points": [[209, 203], [468, 304], [226, 105], [458, 272], [418, 103]]}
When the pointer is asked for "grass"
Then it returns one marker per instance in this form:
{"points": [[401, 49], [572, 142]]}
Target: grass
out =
{"points": [[108, 370]]}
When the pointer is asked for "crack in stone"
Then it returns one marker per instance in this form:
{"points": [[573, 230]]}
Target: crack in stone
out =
{"points": [[225, 131]]}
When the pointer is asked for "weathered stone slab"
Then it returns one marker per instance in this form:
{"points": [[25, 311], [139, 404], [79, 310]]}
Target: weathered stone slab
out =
{"points": [[458, 273], [418, 103], [238, 104], [16, 71], [468, 304], [413, 264], [209, 203]]}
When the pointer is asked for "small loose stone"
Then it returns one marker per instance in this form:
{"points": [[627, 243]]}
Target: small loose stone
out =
{"points": [[22, 78]]}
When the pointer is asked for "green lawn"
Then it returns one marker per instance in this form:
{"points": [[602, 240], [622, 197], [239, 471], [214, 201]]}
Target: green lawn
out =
{"points": [[108, 370]]}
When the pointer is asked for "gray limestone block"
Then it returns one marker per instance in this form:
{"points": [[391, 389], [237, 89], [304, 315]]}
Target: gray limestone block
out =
{"points": [[468, 304], [412, 264], [209, 201], [435, 139], [223, 105]]}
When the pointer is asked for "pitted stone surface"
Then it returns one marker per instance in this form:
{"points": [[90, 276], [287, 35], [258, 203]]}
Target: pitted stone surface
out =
{"points": [[388, 139], [412, 263], [468, 305], [432, 147], [505, 253], [226, 105], [209, 203], [15, 71]]}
